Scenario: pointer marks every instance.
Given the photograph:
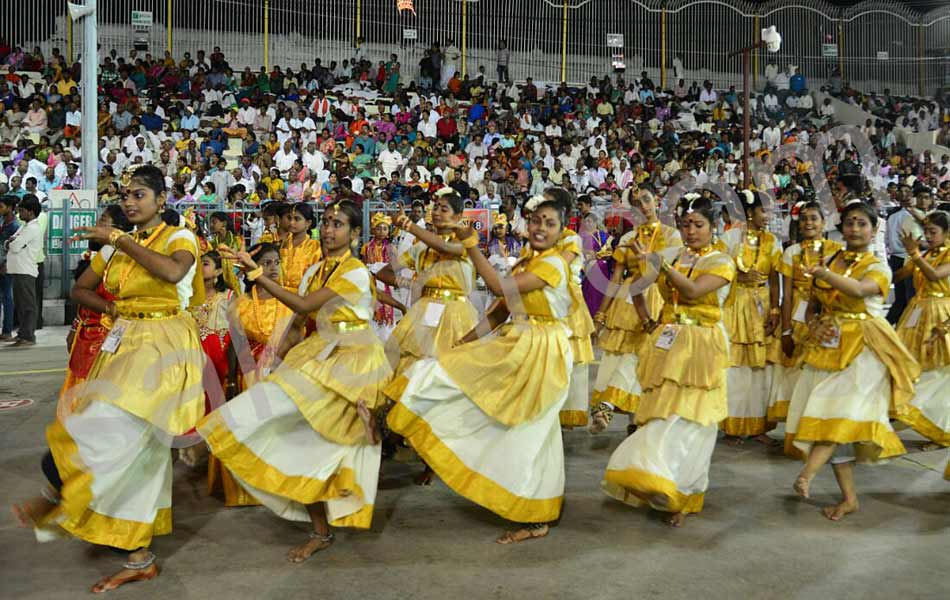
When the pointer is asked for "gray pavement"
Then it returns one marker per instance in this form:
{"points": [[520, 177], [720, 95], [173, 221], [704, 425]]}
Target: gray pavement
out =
{"points": [[753, 540]]}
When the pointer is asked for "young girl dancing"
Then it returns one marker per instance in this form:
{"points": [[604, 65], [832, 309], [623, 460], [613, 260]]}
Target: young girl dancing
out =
{"points": [[484, 415], [857, 373], [303, 441], [665, 463]]}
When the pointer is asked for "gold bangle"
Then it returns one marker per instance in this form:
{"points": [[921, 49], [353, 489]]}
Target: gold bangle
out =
{"points": [[915, 255], [470, 242], [115, 236], [775, 311], [253, 275]]}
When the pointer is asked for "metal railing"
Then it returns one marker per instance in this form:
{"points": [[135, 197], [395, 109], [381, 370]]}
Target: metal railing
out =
{"points": [[875, 44]]}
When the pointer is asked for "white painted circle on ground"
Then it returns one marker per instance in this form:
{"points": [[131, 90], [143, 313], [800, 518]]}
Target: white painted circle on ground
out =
{"points": [[15, 403]]}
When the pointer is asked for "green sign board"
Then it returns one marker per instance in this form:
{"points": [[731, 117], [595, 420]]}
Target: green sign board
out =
{"points": [[141, 18], [77, 218]]}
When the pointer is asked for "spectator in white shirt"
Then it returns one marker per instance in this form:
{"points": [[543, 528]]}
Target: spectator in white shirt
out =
{"points": [[772, 136], [708, 95], [390, 159], [284, 158], [426, 127], [22, 249]]}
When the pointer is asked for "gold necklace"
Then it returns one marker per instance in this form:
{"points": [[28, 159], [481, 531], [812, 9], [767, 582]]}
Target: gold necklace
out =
{"points": [[124, 276]]}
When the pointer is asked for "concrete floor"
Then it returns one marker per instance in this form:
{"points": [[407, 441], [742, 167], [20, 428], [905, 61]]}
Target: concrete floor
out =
{"points": [[753, 540]]}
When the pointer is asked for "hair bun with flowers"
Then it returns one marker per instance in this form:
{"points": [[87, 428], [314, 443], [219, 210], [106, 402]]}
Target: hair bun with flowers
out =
{"points": [[533, 202]]}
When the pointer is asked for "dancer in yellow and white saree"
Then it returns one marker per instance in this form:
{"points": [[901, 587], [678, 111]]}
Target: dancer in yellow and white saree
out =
{"points": [[665, 463], [484, 415], [110, 460], [929, 410], [303, 440], [621, 334], [797, 291], [857, 374]]}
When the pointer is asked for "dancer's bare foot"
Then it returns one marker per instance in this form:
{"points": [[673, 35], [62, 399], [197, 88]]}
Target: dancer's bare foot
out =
{"points": [[29, 512], [930, 447], [732, 440], [600, 418], [193, 454], [315, 544], [424, 478], [838, 511], [527, 533], [369, 423], [675, 519], [801, 485], [141, 567], [766, 440]]}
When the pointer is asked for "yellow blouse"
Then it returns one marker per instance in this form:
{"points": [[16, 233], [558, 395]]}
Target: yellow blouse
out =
{"points": [[571, 242], [138, 292], [755, 250], [295, 260], [653, 237], [849, 313], [261, 317], [552, 301], [349, 279], [923, 287], [705, 310], [453, 273], [819, 251]]}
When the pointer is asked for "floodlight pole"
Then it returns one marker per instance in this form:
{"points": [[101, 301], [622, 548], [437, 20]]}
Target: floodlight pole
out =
{"points": [[746, 54]]}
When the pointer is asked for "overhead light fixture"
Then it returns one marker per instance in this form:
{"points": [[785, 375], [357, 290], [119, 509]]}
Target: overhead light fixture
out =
{"points": [[78, 11], [772, 39]]}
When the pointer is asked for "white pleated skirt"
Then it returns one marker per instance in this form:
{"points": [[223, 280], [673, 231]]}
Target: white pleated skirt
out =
{"points": [[274, 453], [930, 407], [574, 412], [664, 464], [516, 472], [850, 406], [747, 390], [780, 393], [617, 382], [117, 478]]}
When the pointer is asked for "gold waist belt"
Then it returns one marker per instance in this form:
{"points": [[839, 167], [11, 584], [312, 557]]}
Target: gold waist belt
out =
{"points": [[535, 319], [685, 319], [347, 326], [149, 316], [932, 295], [852, 316], [443, 294]]}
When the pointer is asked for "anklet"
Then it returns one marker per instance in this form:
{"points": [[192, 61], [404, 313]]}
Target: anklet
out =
{"points": [[535, 526], [144, 564], [326, 539], [49, 496]]}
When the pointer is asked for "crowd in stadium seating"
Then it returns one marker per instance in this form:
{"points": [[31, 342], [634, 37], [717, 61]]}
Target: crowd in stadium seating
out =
{"points": [[358, 130]]}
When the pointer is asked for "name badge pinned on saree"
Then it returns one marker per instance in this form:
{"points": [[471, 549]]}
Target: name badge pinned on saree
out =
{"points": [[913, 318], [801, 312], [667, 336], [834, 340], [433, 314], [112, 341]]}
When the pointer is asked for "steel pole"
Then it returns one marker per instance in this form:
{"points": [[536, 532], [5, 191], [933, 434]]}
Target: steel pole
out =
{"points": [[745, 119]]}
